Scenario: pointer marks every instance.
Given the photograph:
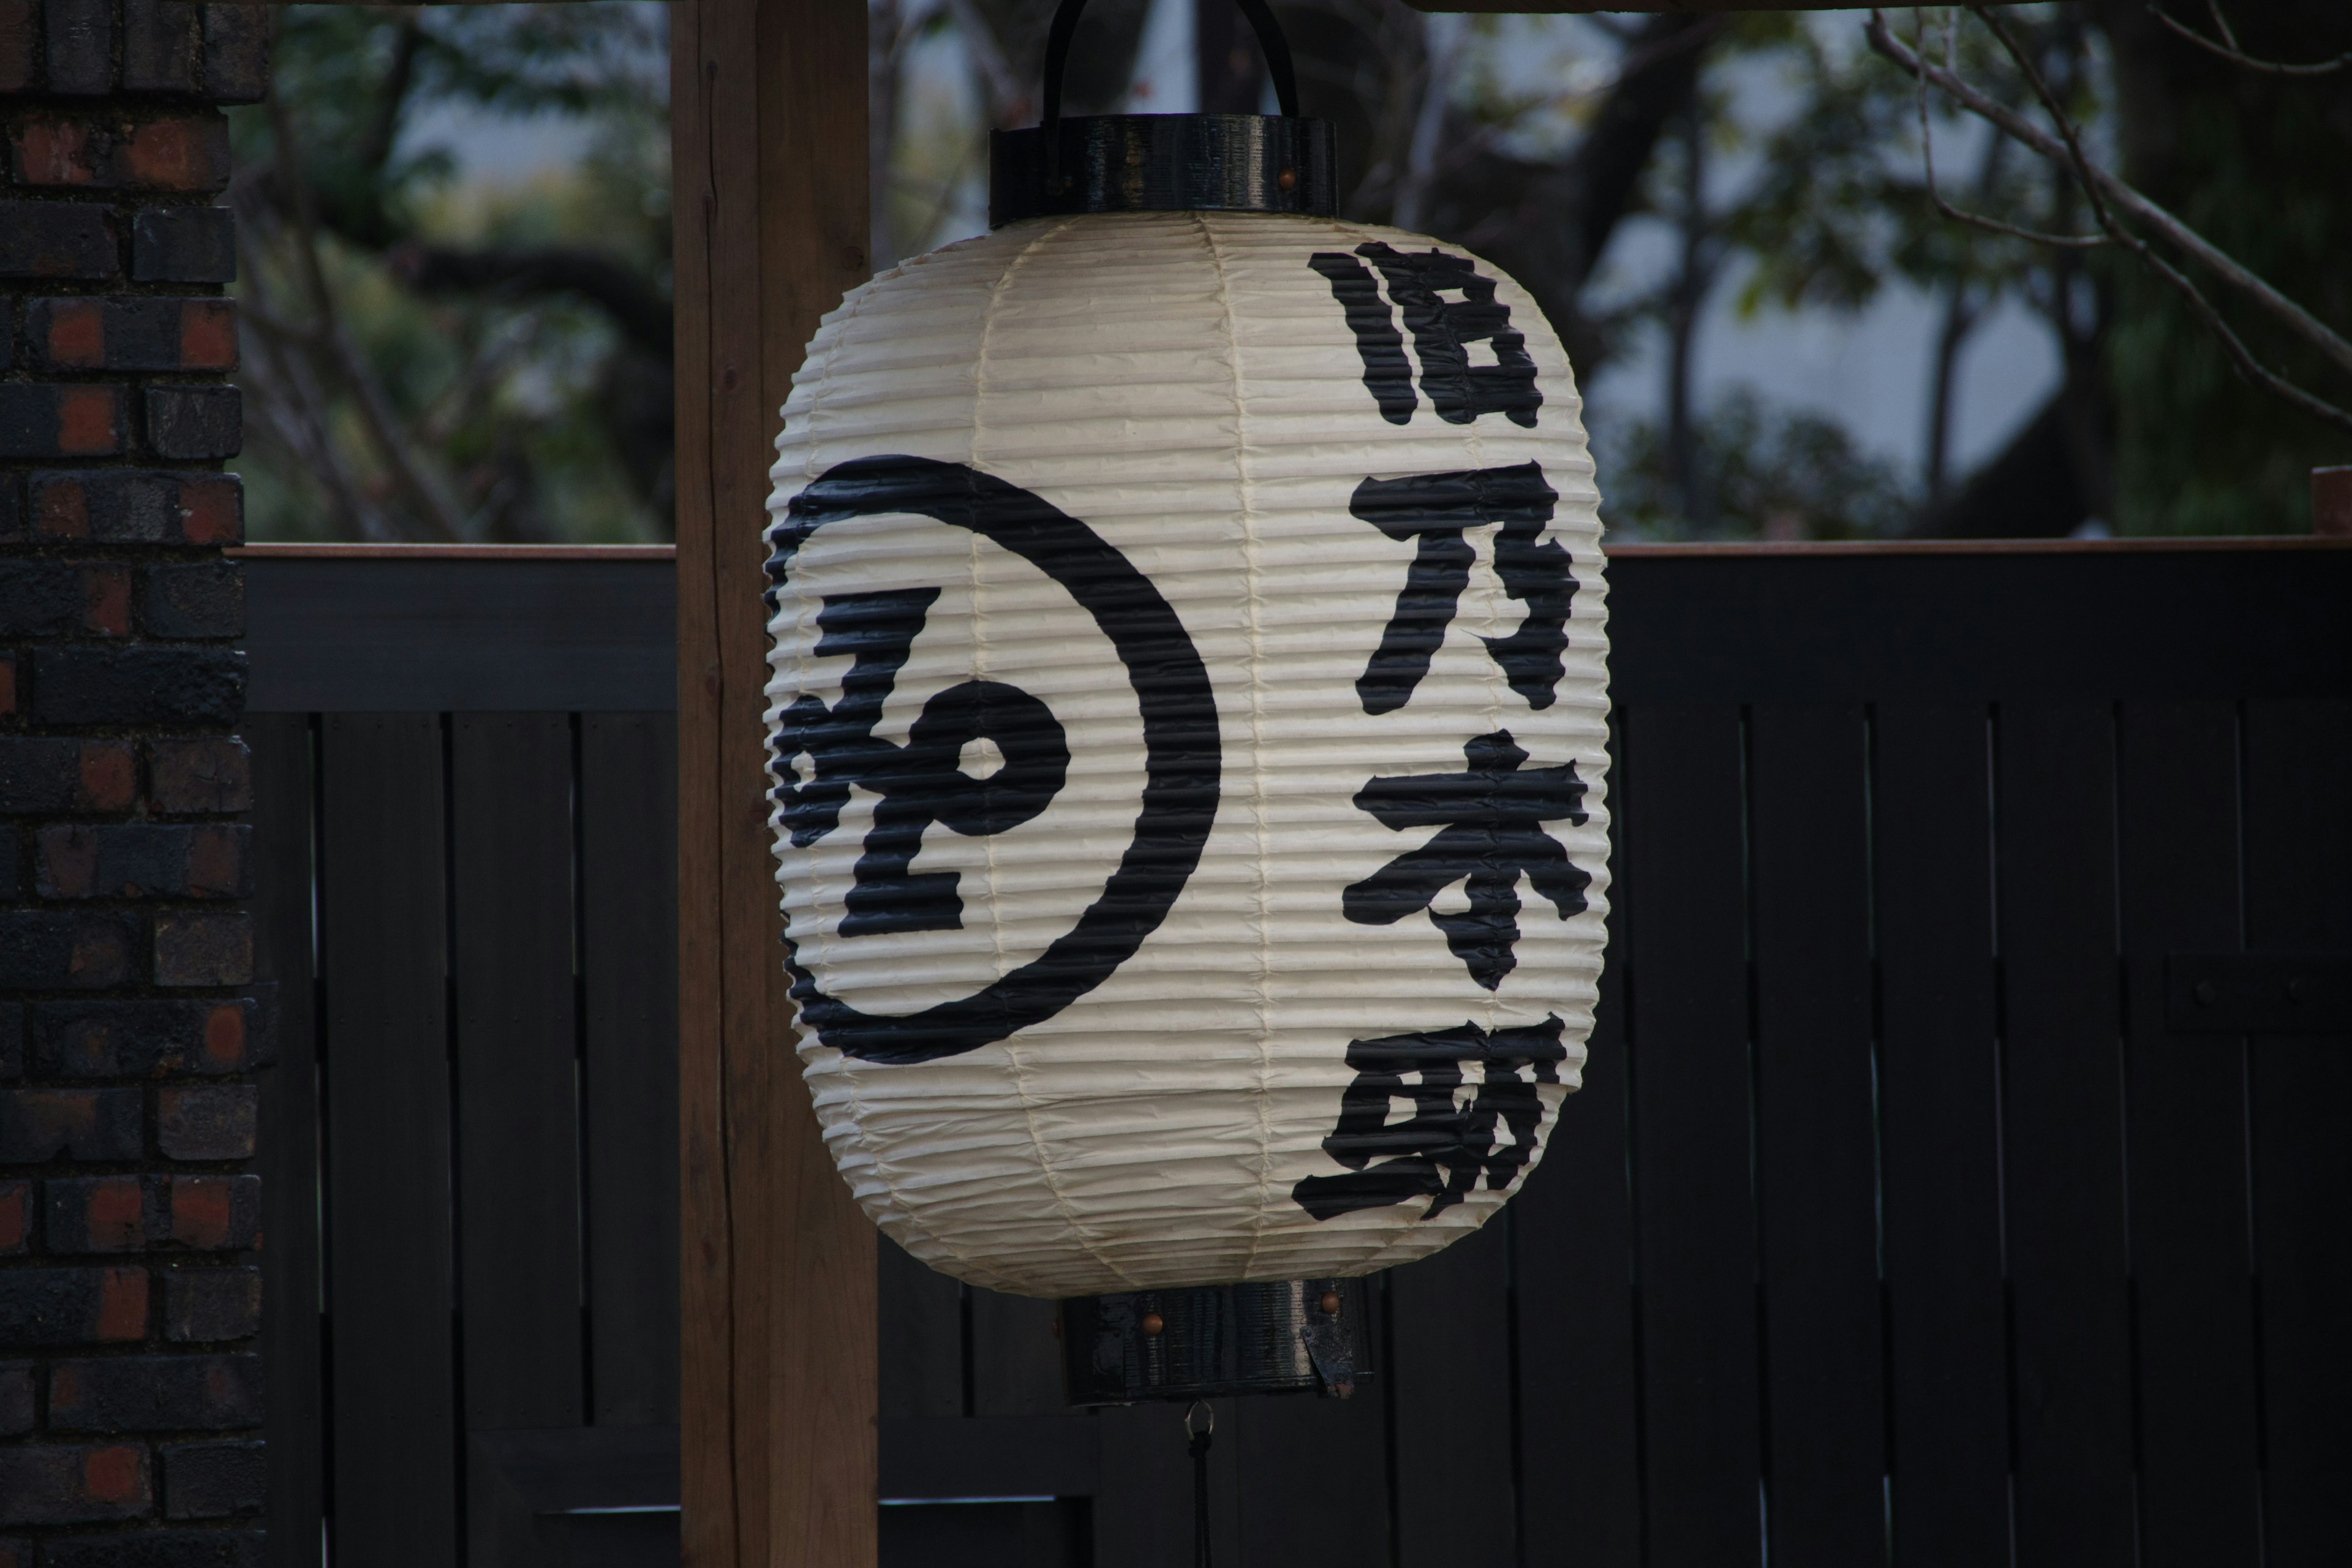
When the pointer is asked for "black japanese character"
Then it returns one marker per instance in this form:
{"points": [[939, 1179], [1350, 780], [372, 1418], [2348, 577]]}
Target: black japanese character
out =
{"points": [[1435, 510], [1387, 376], [1442, 329], [1489, 818], [1442, 1149], [919, 783]]}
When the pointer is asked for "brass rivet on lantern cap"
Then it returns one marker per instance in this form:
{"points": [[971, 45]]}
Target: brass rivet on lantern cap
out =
{"points": [[1330, 1303], [1152, 1324]]}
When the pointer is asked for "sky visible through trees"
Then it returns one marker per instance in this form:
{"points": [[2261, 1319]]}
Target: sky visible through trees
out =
{"points": [[456, 290]]}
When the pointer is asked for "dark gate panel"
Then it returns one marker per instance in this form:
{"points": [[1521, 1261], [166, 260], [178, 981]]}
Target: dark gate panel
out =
{"points": [[1894, 1222]]}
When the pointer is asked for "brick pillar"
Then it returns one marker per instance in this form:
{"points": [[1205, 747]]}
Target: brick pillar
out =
{"points": [[129, 1390]]}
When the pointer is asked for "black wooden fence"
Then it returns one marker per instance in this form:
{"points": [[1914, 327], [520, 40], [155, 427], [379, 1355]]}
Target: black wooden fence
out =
{"points": [[1962, 1174]]}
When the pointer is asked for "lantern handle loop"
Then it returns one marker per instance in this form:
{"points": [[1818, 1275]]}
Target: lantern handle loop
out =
{"points": [[1270, 40]]}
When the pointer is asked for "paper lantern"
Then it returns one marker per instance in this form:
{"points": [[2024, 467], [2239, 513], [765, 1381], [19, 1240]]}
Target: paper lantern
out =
{"points": [[1187, 726]]}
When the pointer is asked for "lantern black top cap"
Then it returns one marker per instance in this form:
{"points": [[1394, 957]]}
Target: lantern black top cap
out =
{"points": [[1163, 162]]}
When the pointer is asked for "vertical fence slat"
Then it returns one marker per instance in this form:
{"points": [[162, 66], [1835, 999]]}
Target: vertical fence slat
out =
{"points": [[518, 1138], [1143, 1510], [1816, 1136], [2190, 1253], [387, 1055], [628, 853], [2063, 1134], [1572, 1239], [1697, 1225], [1312, 1474], [1931, 821], [1450, 1400], [289, 1141], [921, 1338], [1017, 1360], [2299, 899]]}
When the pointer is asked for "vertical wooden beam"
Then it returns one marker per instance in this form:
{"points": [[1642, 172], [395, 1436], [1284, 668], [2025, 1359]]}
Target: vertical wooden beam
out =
{"points": [[778, 1342]]}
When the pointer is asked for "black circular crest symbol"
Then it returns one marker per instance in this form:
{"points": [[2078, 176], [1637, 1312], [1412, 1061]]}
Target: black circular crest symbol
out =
{"points": [[920, 785]]}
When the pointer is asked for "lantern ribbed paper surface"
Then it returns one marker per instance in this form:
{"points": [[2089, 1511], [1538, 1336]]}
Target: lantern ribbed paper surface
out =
{"points": [[1188, 713]]}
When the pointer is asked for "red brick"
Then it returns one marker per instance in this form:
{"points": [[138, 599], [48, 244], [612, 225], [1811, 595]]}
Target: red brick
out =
{"points": [[215, 1213], [90, 421], [207, 335], [87, 1215], [37, 598], [225, 1037], [110, 781], [77, 333], [97, 1213], [48, 1306], [17, 40], [212, 510], [178, 155], [142, 860], [57, 153], [59, 776], [123, 1305], [80, 1484], [106, 601], [44, 421], [144, 1040], [15, 1216], [61, 506], [45, 950], [138, 506]]}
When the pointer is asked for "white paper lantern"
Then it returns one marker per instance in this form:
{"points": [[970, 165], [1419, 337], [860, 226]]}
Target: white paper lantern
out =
{"points": [[1188, 713]]}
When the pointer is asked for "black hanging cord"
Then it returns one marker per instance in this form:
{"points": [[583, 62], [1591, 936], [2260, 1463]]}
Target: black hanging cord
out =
{"points": [[1199, 1448], [1261, 20]]}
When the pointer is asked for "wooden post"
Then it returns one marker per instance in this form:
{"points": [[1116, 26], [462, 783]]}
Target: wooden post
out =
{"points": [[768, 101]]}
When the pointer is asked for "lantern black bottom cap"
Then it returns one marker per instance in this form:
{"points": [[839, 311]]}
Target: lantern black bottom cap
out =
{"points": [[1294, 1336], [1163, 162]]}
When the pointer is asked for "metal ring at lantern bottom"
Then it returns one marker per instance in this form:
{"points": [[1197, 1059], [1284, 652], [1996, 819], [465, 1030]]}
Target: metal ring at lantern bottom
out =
{"points": [[1216, 1340]]}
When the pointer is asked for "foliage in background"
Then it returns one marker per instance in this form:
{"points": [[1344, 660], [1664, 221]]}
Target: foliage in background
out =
{"points": [[434, 358], [1774, 473], [434, 355], [2262, 166]]}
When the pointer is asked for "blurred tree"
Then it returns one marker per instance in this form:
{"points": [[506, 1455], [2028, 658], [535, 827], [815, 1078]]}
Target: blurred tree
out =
{"points": [[2155, 427], [431, 360], [1771, 473], [2255, 160]]}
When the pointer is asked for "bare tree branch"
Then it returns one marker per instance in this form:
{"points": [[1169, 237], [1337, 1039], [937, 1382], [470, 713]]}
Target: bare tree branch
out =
{"points": [[1927, 159], [2099, 187], [2111, 191], [2228, 49]]}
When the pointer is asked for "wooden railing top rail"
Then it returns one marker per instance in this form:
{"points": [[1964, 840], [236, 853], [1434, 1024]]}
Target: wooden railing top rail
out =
{"points": [[1800, 547]]}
